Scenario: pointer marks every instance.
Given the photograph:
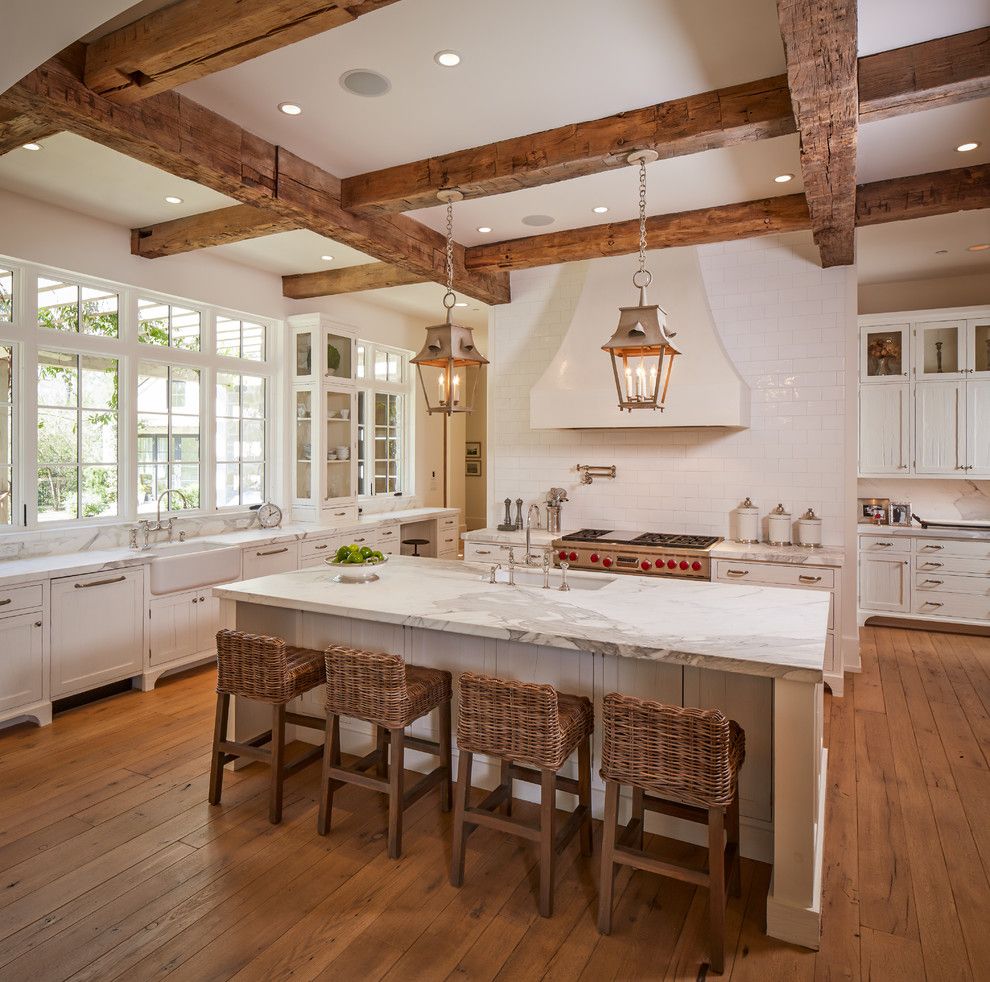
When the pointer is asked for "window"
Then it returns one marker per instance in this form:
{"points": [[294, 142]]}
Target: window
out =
{"points": [[240, 339], [6, 434], [168, 433], [240, 448], [383, 424], [6, 295], [75, 308], [161, 323], [77, 436]]}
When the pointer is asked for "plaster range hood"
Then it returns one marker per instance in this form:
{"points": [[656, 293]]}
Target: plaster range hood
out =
{"points": [[577, 390]]}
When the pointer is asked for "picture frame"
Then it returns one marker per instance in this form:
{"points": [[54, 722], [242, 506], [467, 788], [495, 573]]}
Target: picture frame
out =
{"points": [[873, 511], [900, 513], [472, 450], [472, 468]]}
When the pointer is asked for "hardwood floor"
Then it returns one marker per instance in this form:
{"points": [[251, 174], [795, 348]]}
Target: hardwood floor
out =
{"points": [[113, 865]]}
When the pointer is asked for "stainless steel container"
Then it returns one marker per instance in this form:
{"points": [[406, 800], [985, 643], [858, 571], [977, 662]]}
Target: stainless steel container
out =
{"points": [[809, 529], [553, 519], [747, 522], [779, 527]]}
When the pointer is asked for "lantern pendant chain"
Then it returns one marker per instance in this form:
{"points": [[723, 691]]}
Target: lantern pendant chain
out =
{"points": [[642, 216], [450, 252]]}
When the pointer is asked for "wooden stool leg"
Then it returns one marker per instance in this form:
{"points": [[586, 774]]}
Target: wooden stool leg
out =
{"points": [[445, 741], [584, 793], [505, 781], [396, 764], [548, 811], [381, 745], [219, 734], [716, 888], [461, 791], [278, 764], [638, 812], [331, 758], [606, 882], [732, 836]]}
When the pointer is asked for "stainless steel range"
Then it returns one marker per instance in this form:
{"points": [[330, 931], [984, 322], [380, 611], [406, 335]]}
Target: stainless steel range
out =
{"points": [[646, 553]]}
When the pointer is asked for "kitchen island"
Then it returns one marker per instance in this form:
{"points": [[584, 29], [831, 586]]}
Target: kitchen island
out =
{"points": [[754, 652]]}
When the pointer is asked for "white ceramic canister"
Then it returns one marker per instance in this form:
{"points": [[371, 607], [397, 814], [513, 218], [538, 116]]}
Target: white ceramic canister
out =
{"points": [[809, 529], [779, 527], [747, 522]]}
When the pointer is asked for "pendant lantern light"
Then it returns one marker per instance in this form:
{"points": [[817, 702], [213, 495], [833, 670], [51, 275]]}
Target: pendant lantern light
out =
{"points": [[641, 349], [449, 364]]}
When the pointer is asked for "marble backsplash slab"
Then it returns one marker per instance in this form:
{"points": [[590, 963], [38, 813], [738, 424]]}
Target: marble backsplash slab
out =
{"points": [[934, 498]]}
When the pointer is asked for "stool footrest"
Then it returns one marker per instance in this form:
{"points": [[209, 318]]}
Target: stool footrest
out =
{"points": [[676, 809], [532, 776], [567, 830], [304, 760], [249, 749], [641, 860], [423, 786], [480, 816], [422, 744], [304, 719]]}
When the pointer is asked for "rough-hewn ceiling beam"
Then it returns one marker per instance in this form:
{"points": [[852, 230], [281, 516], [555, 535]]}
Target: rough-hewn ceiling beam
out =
{"points": [[922, 76], [352, 279], [16, 129], [820, 49], [193, 38], [900, 199], [188, 140], [212, 228]]}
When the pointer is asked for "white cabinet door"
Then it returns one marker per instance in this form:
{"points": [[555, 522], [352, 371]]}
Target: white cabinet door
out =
{"points": [[884, 418], [266, 560], [22, 669], [884, 583], [207, 609], [978, 427], [97, 629], [939, 427], [171, 627]]}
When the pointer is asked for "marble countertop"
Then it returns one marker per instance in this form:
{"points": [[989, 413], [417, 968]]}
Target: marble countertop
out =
{"points": [[540, 537], [916, 530], [753, 630], [761, 552], [14, 572]]}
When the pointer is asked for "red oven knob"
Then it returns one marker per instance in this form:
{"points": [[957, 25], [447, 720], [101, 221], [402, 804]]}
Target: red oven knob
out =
{"points": [[684, 564], [645, 565], [671, 564], [696, 566], [594, 557], [562, 554], [573, 557], [606, 562]]}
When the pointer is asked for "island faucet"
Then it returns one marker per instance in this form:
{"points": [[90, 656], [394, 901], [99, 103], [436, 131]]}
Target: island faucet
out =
{"points": [[512, 566], [529, 524], [547, 562]]}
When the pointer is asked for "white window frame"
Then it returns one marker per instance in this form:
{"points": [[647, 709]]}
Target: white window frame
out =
{"points": [[26, 338], [369, 386], [266, 420]]}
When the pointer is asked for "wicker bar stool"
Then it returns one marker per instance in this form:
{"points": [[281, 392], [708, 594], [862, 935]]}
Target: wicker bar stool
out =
{"points": [[268, 670], [382, 689], [522, 723], [680, 762]]}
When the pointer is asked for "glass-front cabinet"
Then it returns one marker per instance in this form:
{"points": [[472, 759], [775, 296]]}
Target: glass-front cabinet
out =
{"points": [[325, 409], [978, 346], [940, 350], [883, 353]]}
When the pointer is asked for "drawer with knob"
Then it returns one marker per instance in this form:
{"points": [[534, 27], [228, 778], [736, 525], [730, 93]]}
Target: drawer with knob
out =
{"points": [[15, 599]]}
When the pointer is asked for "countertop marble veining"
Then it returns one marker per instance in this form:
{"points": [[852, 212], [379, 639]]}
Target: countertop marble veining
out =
{"points": [[539, 537], [16, 571], [979, 535], [753, 630], [762, 552]]}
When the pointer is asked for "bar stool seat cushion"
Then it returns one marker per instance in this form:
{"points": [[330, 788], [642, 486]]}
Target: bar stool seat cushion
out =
{"points": [[265, 668]]}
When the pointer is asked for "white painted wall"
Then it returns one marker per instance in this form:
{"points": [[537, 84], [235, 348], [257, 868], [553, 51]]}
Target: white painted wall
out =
{"points": [[924, 294]]}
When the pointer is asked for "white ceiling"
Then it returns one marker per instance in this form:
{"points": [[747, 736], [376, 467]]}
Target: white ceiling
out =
{"points": [[291, 252], [886, 24]]}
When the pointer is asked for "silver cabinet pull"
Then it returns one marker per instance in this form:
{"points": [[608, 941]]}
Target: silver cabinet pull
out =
{"points": [[113, 579], [339, 514], [737, 572], [5, 601], [884, 545], [930, 546], [931, 603], [936, 582], [928, 562], [809, 579], [273, 552], [481, 552], [324, 546]]}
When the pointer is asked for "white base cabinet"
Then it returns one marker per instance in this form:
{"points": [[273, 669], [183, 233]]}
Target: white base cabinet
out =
{"points": [[97, 629], [181, 625], [22, 662]]}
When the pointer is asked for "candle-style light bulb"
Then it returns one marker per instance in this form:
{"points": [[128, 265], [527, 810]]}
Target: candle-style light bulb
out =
{"points": [[629, 383], [653, 380], [455, 390], [441, 387], [640, 382]]}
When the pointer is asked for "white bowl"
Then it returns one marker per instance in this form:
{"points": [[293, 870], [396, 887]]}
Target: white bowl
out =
{"points": [[353, 573]]}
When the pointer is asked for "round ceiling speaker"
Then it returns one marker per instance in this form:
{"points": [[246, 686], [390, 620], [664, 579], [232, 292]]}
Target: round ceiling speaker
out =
{"points": [[365, 82]]}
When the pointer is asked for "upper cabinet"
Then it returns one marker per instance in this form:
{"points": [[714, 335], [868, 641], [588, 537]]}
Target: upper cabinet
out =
{"points": [[978, 346], [940, 350], [883, 353], [321, 350]]}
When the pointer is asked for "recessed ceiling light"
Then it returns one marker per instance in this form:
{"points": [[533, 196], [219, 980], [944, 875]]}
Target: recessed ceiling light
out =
{"points": [[461, 303], [289, 108], [941, 252], [364, 82], [783, 178], [31, 146], [327, 259], [484, 229], [538, 220], [966, 147], [447, 58], [979, 247], [600, 209], [173, 199]]}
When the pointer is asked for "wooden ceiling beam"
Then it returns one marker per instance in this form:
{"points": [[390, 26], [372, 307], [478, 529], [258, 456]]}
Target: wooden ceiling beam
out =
{"points": [[191, 39], [820, 49], [899, 199], [212, 228], [351, 279], [922, 76], [16, 129], [183, 138], [720, 118]]}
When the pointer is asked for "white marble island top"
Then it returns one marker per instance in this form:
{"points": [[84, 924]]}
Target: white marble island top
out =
{"points": [[765, 631]]}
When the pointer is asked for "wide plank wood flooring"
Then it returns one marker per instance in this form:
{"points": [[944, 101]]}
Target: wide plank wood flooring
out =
{"points": [[113, 866]]}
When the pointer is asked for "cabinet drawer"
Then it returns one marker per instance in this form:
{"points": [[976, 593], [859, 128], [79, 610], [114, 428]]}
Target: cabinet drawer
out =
{"points": [[312, 552], [17, 598], [498, 552], [973, 548], [448, 522], [340, 515], [960, 606], [886, 544], [266, 560], [939, 563], [388, 533], [770, 574], [952, 583]]}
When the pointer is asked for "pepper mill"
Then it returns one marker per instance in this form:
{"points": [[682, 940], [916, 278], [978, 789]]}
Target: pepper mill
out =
{"points": [[507, 525], [519, 518]]}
